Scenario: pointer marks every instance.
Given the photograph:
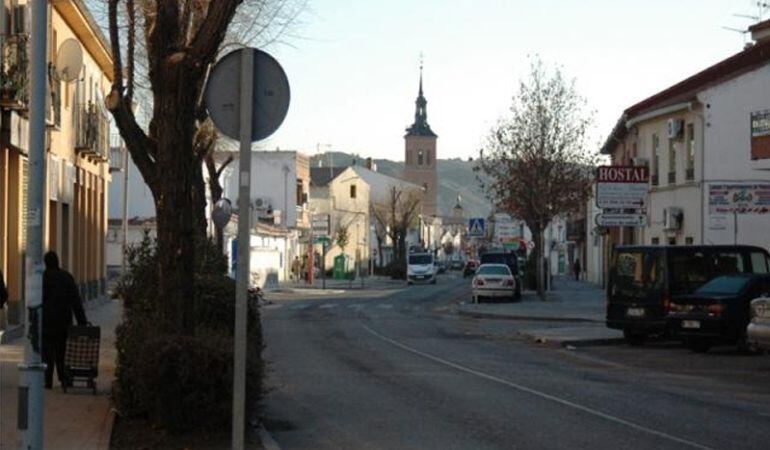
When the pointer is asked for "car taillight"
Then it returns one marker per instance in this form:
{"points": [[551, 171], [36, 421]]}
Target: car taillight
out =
{"points": [[673, 307], [478, 282], [715, 309], [509, 282]]}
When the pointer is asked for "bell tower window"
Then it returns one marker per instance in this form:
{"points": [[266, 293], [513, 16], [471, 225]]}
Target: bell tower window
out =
{"points": [[420, 157]]}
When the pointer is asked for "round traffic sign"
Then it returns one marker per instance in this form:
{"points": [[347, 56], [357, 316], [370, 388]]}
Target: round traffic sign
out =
{"points": [[270, 97]]}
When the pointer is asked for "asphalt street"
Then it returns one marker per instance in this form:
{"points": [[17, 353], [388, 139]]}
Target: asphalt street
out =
{"points": [[396, 369]]}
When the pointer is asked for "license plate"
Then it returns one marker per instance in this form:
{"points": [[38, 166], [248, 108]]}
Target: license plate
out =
{"points": [[635, 312], [692, 324]]}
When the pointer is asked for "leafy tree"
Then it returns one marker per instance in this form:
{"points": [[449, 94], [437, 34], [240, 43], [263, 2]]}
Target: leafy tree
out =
{"points": [[342, 236], [536, 160]]}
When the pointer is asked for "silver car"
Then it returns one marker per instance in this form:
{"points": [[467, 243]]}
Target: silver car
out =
{"points": [[493, 281], [758, 330]]}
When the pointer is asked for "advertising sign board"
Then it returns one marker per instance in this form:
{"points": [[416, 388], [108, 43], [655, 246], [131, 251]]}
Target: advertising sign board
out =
{"points": [[742, 198], [621, 220], [321, 225], [622, 187]]}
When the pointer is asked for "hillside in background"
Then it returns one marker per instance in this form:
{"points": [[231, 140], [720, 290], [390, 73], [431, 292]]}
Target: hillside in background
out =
{"points": [[455, 177]]}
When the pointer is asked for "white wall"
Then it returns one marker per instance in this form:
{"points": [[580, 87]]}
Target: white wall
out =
{"points": [[140, 201], [728, 151], [273, 177]]}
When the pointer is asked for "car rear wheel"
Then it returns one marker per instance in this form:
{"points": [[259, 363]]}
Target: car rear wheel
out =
{"points": [[699, 345], [634, 338]]}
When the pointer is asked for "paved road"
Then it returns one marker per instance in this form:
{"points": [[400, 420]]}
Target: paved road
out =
{"points": [[397, 371]]}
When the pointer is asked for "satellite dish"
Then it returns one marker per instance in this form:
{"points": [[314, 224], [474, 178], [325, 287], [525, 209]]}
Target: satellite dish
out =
{"points": [[69, 60]]}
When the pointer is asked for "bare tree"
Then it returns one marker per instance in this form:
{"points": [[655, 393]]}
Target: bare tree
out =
{"points": [[173, 43], [342, 235], [536, 160], [396, 214]]}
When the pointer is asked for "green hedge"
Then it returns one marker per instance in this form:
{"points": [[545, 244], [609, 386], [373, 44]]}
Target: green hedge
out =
{"points": [[182, 382]]}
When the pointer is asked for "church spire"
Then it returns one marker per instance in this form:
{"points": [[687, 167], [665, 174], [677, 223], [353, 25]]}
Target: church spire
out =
{"points": [[420, 126]]}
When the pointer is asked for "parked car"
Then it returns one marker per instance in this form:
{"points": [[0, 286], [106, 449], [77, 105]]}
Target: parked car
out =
{"points": [[758, 331], [470, 268], [456, 264], [718, 311], [420, 268], [440, 266], [644, 280], [510, 259], [493, 281]]}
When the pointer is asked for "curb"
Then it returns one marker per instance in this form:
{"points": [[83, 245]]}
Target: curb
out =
{"points": [[487, 315], [571, 344], [268, 443], [106, 435], [307, 291]]}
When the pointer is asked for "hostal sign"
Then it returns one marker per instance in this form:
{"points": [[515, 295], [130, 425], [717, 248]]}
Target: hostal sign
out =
{"points": [[622, 187]]}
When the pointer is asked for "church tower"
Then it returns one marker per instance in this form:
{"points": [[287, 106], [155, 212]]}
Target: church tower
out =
{"points": [[420, 157]]}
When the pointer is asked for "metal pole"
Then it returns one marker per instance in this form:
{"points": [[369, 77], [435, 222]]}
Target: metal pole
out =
{"points": [[31, 387], [125, 210], [735, 227], [244, 239]]}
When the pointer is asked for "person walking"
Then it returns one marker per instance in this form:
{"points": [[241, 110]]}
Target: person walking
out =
{"points": [[61, 300], [576, 268]]}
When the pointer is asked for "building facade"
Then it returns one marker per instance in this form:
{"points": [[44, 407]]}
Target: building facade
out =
{"points": [[706, 142], [77, 153]]}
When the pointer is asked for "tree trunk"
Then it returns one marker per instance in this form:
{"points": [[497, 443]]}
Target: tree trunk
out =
{"points": [[539, 262], [178, 224]]}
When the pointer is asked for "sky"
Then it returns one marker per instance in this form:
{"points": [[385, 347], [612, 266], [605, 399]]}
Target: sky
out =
{"points": [[354, 66]]}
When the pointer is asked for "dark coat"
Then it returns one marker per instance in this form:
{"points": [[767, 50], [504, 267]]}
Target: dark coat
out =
{"points": [[61, 299]]}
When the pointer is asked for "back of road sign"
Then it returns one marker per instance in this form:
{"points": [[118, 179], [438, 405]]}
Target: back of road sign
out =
{"points": [[270, 97]]}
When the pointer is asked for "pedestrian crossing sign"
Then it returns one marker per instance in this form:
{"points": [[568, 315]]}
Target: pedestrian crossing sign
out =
{"points": [[476, 227]]}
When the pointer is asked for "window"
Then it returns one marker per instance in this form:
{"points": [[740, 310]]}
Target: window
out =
{"points": [[420, 157], [655, 159], [759, 263], [672, 241], [655, 241], [425, 187], [690, 171], [671, 161], [688, 240], [352, 191], [300, 194]]}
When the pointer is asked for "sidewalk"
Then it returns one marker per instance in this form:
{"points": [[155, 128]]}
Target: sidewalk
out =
{"points": [[78, 419], [573, 314]]}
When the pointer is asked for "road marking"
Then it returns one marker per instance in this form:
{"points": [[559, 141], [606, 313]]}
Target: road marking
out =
{"points": [[535, 392], [385, 306], [328, 305], [355, 306]]}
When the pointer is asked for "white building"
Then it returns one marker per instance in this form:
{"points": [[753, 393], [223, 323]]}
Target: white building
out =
{"points": [[706, 141]]}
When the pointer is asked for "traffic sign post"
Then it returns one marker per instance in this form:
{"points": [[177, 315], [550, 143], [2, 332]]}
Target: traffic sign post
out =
{"points": [[477, 227], [622, 187], [244, 81]]}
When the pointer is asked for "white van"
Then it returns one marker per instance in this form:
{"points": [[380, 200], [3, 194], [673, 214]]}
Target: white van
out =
{"points": [[420, 268]]}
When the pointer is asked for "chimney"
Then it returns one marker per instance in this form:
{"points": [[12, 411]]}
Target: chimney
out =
{"points": [[760, 32], [369, 163]]}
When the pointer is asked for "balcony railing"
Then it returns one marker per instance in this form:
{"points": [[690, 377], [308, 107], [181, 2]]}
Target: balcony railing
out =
{"points": [[53, 100], [92, 131], [654, 179], [671, 177], [13, 75], [690, 174]]}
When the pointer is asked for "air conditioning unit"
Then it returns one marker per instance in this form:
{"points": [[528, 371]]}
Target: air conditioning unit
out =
{"points": [[640, 161], [261, 203], [672, 218], [675, 128]]}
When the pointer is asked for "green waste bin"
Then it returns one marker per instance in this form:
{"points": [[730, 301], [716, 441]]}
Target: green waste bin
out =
{"points": [[343, 267]]}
